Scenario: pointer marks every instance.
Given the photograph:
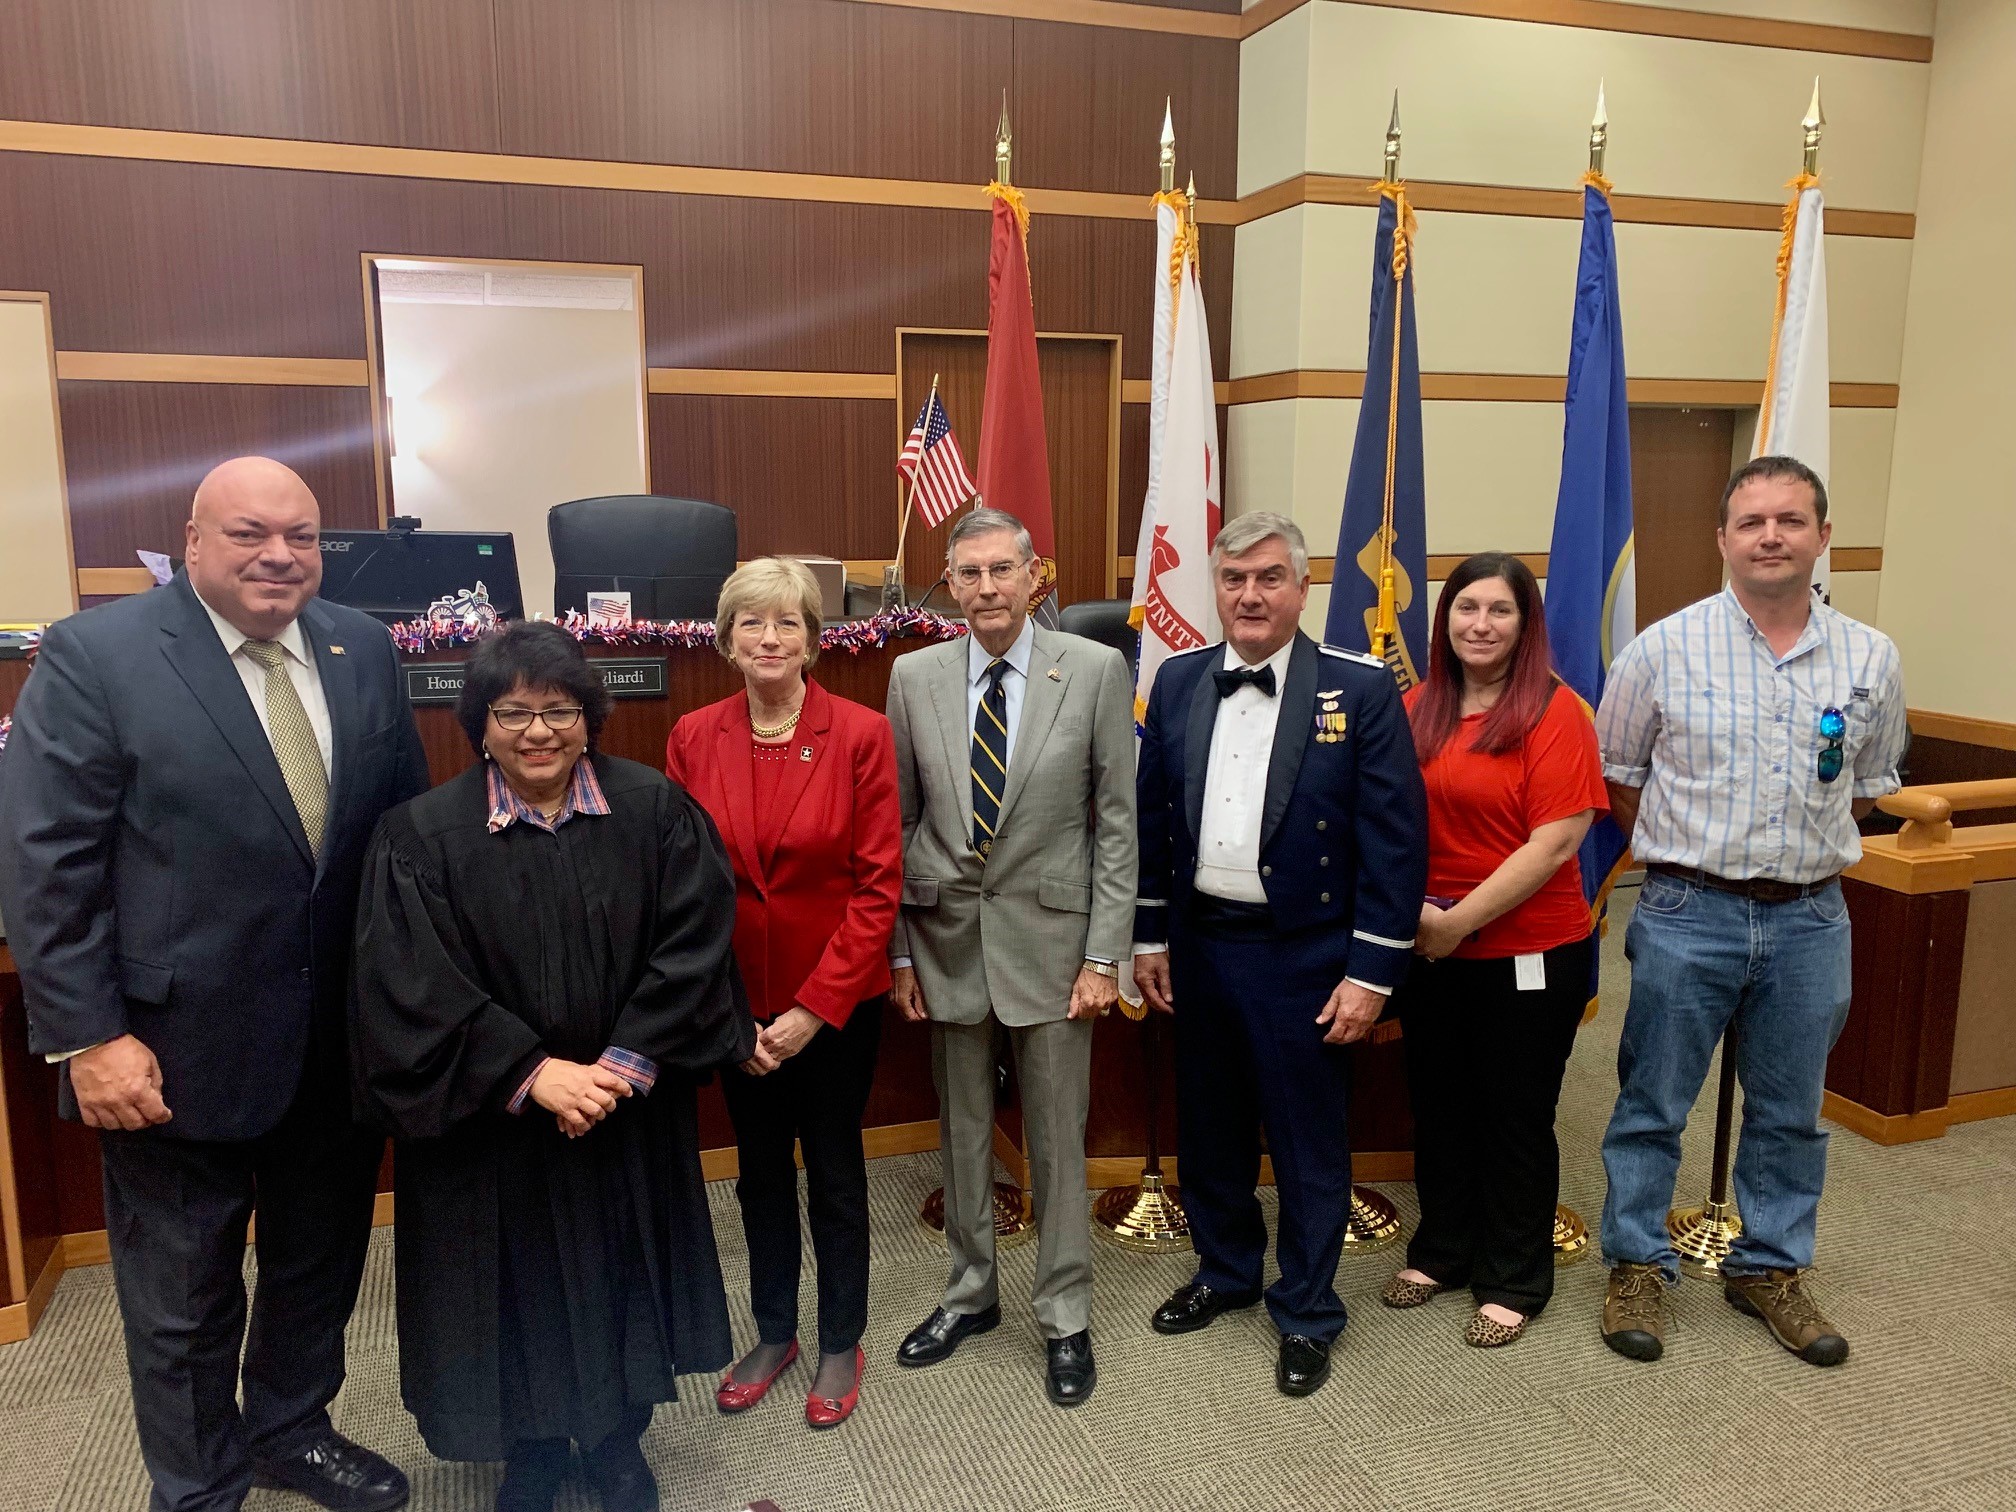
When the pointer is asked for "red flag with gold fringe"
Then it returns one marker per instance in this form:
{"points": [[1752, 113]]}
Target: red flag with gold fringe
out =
{"points": [[1014, 459]]}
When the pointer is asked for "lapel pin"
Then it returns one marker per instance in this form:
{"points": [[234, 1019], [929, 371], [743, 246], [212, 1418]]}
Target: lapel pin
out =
{"points": [[804, 753], [1055, 675], [335, 650]]}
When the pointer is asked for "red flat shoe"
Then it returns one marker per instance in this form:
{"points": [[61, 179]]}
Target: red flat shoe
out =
{"points": [[739, 1396], [831, 1412]]}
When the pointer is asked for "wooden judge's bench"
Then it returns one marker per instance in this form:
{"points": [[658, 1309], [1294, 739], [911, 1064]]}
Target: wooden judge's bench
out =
{"points": [[50, 1203]]}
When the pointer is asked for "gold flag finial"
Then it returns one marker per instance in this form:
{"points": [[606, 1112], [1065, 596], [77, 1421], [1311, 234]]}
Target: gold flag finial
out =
{"points": [[1168, 147], [1190, 203], [1004, 145], [1599, 133], [1393, 142], [1813, 120]]}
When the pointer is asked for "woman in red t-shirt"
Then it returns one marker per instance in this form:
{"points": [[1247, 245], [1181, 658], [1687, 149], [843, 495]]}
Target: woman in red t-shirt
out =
{"points": [[1502, 969]]}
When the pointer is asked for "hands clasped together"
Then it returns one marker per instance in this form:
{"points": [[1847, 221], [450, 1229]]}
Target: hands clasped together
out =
{"points": [[781, 1038], [579, 1097]]}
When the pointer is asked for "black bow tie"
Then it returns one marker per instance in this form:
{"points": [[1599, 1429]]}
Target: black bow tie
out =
{"points": [[1230, 681]]}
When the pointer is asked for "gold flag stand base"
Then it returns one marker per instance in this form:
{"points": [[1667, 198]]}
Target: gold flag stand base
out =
{"points": [[1702, 1236], [1374, 1222], [1571, 1235], [1147, 1217], [1012, 1225]]}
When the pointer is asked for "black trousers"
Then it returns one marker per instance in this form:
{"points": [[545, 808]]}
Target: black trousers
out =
{"points": [[1250, 1055], [1484, 1065], [175, 1213], [815, 1098]]}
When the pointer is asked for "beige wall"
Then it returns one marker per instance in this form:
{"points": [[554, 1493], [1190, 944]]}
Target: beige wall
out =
{"points": [[1951, 530], [1507, 103], [502, 412], [38, 578]]}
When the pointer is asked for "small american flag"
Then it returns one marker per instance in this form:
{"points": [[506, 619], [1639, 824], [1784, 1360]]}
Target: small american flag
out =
{"points": [[939, 482]]}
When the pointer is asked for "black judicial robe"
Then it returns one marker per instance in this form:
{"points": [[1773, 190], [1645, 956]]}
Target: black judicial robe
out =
{"points": [[547, 1287]]}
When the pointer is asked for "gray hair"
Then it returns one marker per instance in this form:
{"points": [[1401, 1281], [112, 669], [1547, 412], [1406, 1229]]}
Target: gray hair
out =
{"points": [[1242, 533], [980, 520]]}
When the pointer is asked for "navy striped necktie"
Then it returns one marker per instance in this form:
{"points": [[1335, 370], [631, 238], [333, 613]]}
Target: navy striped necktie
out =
{"points": [[990, 757]]}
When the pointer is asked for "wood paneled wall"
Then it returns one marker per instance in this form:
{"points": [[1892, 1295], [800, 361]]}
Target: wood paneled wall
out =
{"points": [[148, 256]]}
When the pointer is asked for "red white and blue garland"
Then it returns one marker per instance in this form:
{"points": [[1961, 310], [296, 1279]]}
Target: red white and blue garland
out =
{"points": [[418, 636]]}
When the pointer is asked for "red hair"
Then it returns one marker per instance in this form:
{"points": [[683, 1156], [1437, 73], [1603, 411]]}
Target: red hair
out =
{"points": [[1435, 709]]}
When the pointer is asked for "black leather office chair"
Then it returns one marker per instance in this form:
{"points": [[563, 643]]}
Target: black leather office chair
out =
{"points": [[671, 555], [1105, 621]]}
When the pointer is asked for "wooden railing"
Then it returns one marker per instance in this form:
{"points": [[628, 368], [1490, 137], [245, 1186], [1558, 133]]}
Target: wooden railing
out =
{"points": [[1928, 811]]}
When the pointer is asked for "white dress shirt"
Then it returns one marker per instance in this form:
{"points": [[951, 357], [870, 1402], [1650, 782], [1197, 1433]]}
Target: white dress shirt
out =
{"points": [[301, 670], [1235, 785], [1014, 682]]}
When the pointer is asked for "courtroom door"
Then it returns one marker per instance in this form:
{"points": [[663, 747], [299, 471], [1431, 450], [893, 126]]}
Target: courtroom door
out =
{"points": [[1680, 460]]}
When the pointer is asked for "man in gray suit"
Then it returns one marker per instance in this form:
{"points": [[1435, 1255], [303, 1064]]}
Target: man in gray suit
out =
{"points": [[1015, 754]]}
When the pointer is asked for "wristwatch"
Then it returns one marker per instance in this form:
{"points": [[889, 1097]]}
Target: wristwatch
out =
{"points": [[1103, 968]]}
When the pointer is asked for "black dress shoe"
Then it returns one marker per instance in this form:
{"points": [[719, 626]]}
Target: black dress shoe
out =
{"points": [[938, 1335], [335, 1473], [1304, 1365], [1073, 1372], [532, 1475], [622, 1475], [1195, 1305]]}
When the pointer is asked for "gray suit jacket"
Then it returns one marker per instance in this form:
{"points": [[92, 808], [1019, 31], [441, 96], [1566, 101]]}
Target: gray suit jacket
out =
{"points": [[1010, 933]]}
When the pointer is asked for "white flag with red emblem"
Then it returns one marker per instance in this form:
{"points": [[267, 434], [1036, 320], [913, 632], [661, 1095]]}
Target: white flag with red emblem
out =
{"points": [[1173, 604]]}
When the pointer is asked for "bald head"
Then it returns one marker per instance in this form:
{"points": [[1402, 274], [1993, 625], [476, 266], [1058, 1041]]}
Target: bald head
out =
{"points": [[253, 549]]}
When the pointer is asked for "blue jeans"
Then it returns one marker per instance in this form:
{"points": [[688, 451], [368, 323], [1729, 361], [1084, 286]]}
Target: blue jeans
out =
{"points": [[1700, 960]]}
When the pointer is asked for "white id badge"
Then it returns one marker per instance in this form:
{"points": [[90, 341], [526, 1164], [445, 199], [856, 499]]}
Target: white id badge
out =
{"points": [[1529, 973]]}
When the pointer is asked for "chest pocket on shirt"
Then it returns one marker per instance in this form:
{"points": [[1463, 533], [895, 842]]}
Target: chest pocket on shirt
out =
{"points": [[1807, 741], [1701, 735]]}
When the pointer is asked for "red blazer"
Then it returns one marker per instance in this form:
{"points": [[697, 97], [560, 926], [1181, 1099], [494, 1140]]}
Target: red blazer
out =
{"points": [[812, 916]]}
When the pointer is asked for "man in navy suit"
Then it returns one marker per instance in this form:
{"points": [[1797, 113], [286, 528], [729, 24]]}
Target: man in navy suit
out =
{"points": [[184, 804], [1284, 851]]}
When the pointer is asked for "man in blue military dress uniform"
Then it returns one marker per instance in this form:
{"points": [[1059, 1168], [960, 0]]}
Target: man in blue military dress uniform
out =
{"points": [[1283, 856]]}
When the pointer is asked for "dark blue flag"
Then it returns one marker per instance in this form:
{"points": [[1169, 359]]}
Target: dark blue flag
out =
{"points": [[1592, 601], [1385, 514]]}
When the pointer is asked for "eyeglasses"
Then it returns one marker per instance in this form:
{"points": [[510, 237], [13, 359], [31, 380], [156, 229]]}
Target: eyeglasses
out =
{"points": [[1833, 730], [516, 719], [969, 576]]}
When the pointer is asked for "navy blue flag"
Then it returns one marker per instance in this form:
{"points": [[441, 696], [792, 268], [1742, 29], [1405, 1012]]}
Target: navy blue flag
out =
{"points": [[1592, 601], [1384, 531]]}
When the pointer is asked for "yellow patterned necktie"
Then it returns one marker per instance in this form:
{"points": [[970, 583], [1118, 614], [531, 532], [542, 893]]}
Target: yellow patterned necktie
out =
{"points": [[294, 743]]}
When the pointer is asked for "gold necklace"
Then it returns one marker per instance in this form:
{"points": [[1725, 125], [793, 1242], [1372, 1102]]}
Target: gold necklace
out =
{"points": [[775, 732]]}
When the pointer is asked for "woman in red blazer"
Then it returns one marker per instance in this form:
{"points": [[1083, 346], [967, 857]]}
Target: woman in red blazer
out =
{"points": [[802, 785]]}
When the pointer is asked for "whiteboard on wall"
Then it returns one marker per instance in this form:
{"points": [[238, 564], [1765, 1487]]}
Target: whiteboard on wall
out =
{"points": [[38, 571], [510, 389]]}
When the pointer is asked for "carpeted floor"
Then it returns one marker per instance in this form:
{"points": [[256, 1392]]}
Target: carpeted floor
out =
{"points": [[1914, 1266]]}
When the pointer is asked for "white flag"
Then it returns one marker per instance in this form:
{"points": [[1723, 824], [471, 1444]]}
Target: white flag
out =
{"points": [[1167, 224], [1172, 566], [1794, 421]]}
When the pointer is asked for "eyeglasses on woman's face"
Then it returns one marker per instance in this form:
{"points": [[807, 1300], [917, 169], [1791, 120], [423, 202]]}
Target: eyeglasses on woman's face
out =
{"points": [[516, 718]]}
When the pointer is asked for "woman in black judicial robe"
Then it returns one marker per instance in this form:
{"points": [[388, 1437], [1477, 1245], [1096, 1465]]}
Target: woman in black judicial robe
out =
{"points": [[543, 975]]}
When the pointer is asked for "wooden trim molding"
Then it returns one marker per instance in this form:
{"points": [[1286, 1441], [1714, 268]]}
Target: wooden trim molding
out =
{"points": [[1557, 204], [1970, 1107], [737, 183], [1648, 21], [1536, 388], [105, 581], [771, 385], [176, 367], [1963, 728], [1886, 1128]]}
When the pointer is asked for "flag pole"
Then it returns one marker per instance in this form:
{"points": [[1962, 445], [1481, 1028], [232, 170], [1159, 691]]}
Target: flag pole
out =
{"points": [[910, 494], [1149, 1215], [1702, 1236]]}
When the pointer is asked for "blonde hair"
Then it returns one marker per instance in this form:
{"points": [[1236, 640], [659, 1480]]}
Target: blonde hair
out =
{"points": [[769, 583]]}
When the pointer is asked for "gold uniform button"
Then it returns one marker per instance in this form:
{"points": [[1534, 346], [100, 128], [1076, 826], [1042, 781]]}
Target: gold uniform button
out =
{"points": [[1266, 871], [1322, 824], [1322, 860], [1326, 897]]}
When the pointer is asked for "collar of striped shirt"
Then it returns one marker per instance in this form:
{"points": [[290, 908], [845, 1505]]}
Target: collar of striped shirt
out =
{"points": [[584, 796]]}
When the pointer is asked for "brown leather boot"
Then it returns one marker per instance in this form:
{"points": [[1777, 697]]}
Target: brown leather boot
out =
{"points": [[1634, 1322], [1793, 1317]]}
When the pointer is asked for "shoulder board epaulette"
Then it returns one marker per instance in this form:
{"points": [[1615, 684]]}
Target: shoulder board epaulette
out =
{"points": [[1357, 656]]}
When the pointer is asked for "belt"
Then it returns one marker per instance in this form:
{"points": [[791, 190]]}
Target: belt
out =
{"points": [[1757, 889], [1230, 919]]}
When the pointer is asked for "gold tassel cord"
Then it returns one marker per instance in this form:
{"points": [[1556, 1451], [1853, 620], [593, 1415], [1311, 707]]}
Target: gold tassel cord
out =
{"points": [[1594, 180], [1788, 227], [1385, 638], [1012, 197]]}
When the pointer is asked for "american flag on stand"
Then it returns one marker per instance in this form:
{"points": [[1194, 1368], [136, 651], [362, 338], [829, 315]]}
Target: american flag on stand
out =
{"points": [[939, 482]]}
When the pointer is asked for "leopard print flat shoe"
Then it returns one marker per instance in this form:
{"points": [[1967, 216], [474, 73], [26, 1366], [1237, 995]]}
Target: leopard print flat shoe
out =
{"points": [[1489, 1333], [1402, 1293]]}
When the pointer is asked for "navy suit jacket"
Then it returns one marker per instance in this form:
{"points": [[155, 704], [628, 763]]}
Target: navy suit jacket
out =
{"points": [[154, 875], [1344, 832]]}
